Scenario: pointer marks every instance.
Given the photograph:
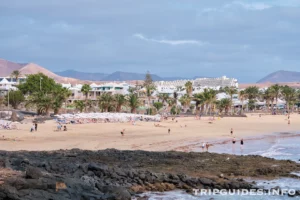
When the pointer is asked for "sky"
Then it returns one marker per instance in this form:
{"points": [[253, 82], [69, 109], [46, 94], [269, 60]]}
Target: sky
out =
{"points": [[242, 39]]}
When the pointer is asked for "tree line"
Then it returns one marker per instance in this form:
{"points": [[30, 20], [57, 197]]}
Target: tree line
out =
{"points": [[45, 95]]}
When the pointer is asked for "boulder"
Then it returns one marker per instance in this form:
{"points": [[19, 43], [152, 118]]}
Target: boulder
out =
{"points": [[33, 173]]}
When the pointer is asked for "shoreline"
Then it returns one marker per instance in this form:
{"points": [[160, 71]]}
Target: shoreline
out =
{"points": [[215, 143]]}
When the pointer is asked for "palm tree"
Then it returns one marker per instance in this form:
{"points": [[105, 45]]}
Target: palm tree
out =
{"points": [[16, 75], [209, 96], [189, 88], [158, 105], [268, 96], [43, 102], [133, 102], [149, 91], [79, 105], [231, 91], [119, 100], [252, 93], [242, 97], [105, 101], [276, 89], [200, 100], [60, 96], [212, 99], [185, 101], [85, 90], [223, 104], [289, 95], [164, 97]]}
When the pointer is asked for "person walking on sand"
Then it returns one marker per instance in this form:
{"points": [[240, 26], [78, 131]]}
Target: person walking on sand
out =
{"points": [[231, 131], [35, 126], [123, 132], [169, 131]]}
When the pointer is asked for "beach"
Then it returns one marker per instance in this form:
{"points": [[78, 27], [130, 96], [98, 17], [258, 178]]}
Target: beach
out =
{"points": [[58, 160], [184, 133]]}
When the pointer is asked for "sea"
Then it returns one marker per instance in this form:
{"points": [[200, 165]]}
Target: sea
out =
{"points": [[283, 146]]}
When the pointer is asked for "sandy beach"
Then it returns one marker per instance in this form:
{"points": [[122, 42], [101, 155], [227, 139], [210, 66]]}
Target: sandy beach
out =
{"points": [[144, 135]]}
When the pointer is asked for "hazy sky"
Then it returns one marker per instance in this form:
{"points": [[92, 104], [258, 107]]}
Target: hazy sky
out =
{"points": [[242, 39]]}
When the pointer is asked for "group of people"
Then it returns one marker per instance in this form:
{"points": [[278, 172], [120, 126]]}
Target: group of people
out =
{"points": [[34, 127], [59, 127], [205, 145]]}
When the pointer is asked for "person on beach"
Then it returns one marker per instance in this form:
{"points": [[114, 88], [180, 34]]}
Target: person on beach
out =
{"points": [[207, 146], [242, 143], [233, 140], [58, 127], [231, 131], [233, 145], [65, 128], [32, 128], [289, 122], [203, 146], [35, 126], [123, 132], [169, 131]]}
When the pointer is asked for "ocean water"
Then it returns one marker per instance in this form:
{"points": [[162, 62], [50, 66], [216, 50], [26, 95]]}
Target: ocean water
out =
{"points": [[278, 146], [284, 146]]}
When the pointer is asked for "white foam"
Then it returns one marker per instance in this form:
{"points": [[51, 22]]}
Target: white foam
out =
{"points": [[173, 195], [296, 173], [272, 151]]}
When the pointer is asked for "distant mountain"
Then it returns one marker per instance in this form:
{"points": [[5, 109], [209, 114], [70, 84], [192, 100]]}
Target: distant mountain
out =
{"points": [[116, 76], [82, 75], [128, 76], [281, 77], [7, 67], [72, 76]]}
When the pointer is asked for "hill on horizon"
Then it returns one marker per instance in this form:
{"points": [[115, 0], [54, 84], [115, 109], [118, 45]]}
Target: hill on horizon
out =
{"points": [[73, 76], [116, 76], [82, 75], [281, 76], [7, 67]]}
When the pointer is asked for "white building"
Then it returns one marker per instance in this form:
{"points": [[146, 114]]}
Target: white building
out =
{"points": [[97, 90], [6, 85]]}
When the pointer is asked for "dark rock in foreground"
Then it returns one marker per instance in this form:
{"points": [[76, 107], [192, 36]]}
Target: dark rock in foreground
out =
{"points": [[112, 174]]}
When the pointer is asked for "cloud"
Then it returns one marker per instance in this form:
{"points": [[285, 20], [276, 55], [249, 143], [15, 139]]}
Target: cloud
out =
{"points": [[249, 6], [170, 42]]}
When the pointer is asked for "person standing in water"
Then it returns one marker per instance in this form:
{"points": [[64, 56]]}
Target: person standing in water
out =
{"points": [[203, 146], [233, 145], [207, 146], [242, 145]]}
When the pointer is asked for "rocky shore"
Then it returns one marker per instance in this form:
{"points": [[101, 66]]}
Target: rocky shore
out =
{"points": [[112, 174]]}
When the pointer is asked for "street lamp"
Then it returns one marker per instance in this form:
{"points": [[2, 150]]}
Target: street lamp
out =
{"points": [[40, 83], [8, 99]]}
